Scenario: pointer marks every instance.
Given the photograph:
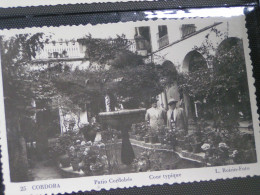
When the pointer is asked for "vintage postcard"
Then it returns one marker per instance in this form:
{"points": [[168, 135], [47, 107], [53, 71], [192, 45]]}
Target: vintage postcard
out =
{"points": [[127, 104]]}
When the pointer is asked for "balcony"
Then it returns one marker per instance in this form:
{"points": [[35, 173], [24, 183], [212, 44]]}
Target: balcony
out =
{"points": [[163, 41], [131, 45]]}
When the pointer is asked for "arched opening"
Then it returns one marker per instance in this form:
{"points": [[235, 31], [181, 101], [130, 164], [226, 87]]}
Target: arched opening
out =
{"points": [[229, 48], [227, 44], [169, 65], [230, 61], [193, 62]]}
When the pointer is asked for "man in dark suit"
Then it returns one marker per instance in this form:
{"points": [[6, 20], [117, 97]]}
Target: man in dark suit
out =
{"points": [[176, 117]]}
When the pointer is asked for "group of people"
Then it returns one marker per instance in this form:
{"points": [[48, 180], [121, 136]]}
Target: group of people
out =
{"points": [[174, 118]]}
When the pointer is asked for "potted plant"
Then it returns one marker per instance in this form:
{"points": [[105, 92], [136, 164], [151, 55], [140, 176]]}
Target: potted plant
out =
{"points": [[97, 168], [100, 166], [170, 139], [196, 144], [223, 151], [142, 134], [188, 147], [161, 139], [207, 149], [75, 159], [86, 169], [75, 164], [64, 160], [162, 134], [153, 138], [146, 138], [138, 137], [180, 139], [143, 163], [187, 144]]}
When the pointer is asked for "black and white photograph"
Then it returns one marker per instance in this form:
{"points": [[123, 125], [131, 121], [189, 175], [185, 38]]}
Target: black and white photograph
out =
{"points": [[126, 98]]}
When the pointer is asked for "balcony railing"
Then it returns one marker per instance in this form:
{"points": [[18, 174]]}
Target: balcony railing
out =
{"points": [[131, 45], [163, 41]]}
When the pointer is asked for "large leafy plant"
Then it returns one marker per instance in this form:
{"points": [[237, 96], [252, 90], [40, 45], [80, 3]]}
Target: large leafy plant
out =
{"points": [[222, 89]]}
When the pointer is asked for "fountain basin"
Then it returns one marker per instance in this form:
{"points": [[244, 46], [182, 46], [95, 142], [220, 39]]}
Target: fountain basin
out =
{"points": [[122, 119]]}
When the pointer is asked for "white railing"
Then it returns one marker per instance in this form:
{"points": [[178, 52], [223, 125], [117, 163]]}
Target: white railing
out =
{"points": [[131, 45]]}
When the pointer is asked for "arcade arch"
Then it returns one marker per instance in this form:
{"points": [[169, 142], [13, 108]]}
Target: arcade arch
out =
{"points": [[227, 44], [232, 47], [169, 65], [192, 62]]}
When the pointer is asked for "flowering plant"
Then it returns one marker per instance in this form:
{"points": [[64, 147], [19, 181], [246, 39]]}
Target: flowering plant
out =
{"points": [[141, 128], [205, 147], [149, 160], [94, 160], [142, 163], [64, 142], [170, 138], [110, 135], [223, 146]]}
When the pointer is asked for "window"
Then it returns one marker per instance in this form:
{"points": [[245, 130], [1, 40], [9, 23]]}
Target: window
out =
{"points": [[187, 29], [142, 38], [162, 35], [162, 30]]}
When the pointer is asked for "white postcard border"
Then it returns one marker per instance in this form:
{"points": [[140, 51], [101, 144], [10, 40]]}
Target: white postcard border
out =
{"points": [[107, 182]]}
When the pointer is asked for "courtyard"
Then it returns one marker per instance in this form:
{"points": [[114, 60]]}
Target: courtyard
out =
{"points": [[140, 100]]}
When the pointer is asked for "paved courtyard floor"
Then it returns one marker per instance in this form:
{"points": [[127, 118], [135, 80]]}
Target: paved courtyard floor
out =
{"points": [[44, 170]]}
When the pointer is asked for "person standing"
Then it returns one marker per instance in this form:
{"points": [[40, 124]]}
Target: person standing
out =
{"points": [[155, 116], [176, 117]]}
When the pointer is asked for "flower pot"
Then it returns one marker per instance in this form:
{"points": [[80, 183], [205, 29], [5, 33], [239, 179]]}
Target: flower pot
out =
{"points": [[87, 172], [181, 143], [208, 154], [196, 147], [75, 166], [153, 139], [188, 147], [146, 139], [138, 137], [64, 160], [161, 139]]}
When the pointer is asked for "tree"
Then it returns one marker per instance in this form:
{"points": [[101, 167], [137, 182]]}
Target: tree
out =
{"points": [[114, 71], [223, 90], [16, 52], [121, 74]]}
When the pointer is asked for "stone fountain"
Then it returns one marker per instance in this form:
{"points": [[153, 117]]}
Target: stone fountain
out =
{"points": [[122, 120]]}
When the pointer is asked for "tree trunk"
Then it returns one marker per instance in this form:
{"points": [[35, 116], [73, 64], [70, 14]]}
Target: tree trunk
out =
{"points": [[42, 135], [17, 154], [42, 143]]}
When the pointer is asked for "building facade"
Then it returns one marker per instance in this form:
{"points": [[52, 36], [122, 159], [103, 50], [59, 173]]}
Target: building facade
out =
{"points": [[176, 46], [164, 43]]}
